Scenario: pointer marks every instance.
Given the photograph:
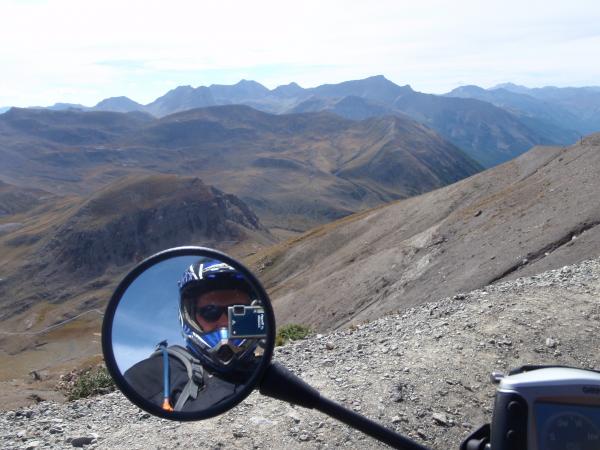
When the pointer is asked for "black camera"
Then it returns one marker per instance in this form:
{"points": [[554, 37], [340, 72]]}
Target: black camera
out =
{"points": [[247, 322]]}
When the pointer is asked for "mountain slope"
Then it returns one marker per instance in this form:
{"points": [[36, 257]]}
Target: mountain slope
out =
{"points": [[14, 200], [583, 102], [138, 216], [350, 107], [538, 212], [544, 117], [69, 127], [376, 88], [488, 134], [180, 99], [127, 220]]}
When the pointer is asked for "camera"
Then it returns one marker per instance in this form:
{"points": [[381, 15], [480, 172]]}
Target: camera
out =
{"points": [[546, 408], [247, 322]]}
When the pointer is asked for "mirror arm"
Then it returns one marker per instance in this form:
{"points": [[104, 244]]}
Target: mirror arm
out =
{"points": [[278, 382]]}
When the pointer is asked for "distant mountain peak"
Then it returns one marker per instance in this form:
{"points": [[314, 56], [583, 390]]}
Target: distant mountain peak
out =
{"points": [[118, 104], [467, 89], [512, 87], [181, 89], [288, 90], [509, 85], [244, 82], [377, 77], [65, 106]]}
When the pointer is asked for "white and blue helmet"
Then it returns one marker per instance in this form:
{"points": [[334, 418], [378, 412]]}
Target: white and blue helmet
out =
{"points": [[215, 348]]}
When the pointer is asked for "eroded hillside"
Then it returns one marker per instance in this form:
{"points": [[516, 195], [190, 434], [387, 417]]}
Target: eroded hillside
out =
{"points": [[537, 212]]}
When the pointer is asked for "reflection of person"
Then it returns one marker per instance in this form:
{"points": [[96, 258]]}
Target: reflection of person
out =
{"points": [[212, 366]]}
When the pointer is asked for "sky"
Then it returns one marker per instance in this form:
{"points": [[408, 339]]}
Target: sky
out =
{"points": [[84, 51], [148, 312]]}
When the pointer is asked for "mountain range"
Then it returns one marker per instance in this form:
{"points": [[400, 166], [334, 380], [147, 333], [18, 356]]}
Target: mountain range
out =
{"points": [[293, 170], [491, 126]]}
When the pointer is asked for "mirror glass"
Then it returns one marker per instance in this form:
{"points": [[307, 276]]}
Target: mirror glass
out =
{"points": [[188, 334]]}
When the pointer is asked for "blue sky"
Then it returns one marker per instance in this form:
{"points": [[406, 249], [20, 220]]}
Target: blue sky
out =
{"points": [[148, 312], [82, 52]]}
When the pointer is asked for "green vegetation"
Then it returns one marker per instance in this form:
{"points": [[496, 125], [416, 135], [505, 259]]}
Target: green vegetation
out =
{"points": [[291, 332], [92, 381]]}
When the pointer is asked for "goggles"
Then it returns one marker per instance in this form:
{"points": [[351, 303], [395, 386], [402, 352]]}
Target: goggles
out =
{"points": [[212, 313]]}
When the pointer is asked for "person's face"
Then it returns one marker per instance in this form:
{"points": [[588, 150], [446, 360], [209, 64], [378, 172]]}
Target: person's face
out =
{"points": [[224, 298]]}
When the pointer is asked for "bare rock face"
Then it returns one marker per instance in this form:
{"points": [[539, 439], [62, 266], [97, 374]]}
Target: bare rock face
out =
{"points": [[140, 216]]}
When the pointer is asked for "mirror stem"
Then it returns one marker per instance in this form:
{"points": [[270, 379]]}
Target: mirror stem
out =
{"points": [[278, 382]]}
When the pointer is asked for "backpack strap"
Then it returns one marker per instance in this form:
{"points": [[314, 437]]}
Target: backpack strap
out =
{"points": [[195, 374]]}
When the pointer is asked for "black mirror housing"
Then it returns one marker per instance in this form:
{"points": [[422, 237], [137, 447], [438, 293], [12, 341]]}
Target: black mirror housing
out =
{"points": [[188, 356]]}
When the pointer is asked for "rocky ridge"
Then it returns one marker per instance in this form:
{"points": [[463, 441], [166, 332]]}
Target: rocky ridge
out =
{"points": [[423, 372]]}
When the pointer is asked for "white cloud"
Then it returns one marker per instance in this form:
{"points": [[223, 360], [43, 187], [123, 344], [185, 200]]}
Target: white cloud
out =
{"points": [[68, 50]]}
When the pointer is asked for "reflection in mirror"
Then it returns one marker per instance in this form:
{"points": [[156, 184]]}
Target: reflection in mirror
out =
{"points": [[188, 333]]}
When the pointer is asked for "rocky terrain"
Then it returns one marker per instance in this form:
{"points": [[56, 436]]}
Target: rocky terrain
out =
{"points": [[423, 372]]}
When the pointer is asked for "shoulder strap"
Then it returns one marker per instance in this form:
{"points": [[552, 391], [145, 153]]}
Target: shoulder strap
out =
{"points": [[195, 374]]}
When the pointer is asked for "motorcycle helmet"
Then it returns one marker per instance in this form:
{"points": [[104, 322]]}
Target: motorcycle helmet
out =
{"points": [[215, 349]]}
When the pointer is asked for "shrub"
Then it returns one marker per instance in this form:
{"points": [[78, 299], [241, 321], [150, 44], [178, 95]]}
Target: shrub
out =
{"points": [[291, 332], [88, 382]]}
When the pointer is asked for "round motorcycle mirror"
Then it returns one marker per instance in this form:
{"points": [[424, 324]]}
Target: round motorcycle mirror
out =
{"points": [[188, 333]]}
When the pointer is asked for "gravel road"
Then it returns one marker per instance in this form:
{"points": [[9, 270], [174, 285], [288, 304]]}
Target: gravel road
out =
{"points": [[423, 372]]}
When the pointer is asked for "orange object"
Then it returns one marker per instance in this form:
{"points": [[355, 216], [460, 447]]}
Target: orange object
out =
{"points": [[166, 405]]}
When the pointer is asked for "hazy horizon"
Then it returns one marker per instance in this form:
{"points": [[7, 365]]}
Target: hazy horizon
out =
{"points": [[67, 51]]}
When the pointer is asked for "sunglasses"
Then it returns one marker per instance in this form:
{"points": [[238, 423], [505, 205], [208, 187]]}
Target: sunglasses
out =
{"points": [[212, 313]]}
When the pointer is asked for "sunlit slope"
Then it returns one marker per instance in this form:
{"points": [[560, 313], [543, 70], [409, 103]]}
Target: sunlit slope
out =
{"points": [[537, 212]]}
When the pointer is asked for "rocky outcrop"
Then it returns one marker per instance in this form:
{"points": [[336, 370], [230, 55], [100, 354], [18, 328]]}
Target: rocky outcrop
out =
{"points": [[140, 216]]}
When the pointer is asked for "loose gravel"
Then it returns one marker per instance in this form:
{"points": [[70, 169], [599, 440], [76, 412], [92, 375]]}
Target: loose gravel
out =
{"points": [[423, 372]]}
